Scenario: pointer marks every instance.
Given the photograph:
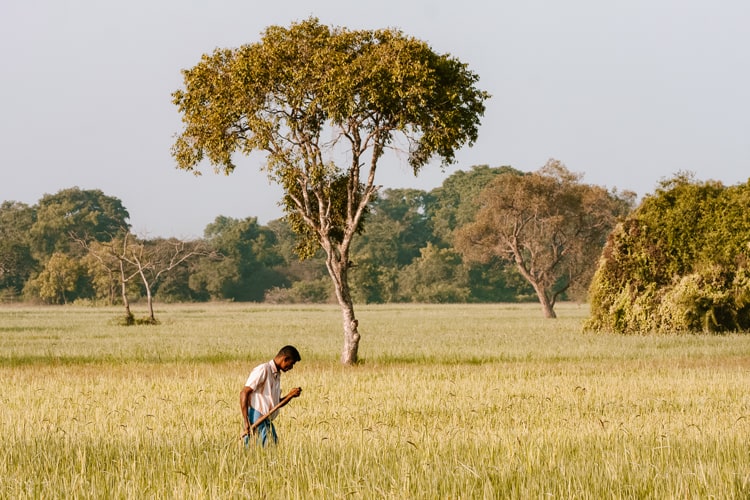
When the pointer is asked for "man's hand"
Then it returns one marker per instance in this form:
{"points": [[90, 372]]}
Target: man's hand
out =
{"points": [[295, 392]]}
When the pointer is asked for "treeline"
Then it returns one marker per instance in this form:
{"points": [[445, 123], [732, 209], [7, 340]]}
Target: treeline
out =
{"points": [[55, 252], [76, 246]]}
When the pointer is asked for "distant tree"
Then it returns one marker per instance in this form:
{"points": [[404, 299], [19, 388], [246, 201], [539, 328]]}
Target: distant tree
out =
{"points": [[407, 208], [292, 268], [456, 202], [59, 280], [397, 228], [154, 259], [102, 275], [17, 264], [549, 224], [308, 96], [87, 214], [680, 262], [110, 270], [245, 270], [437, 276], [174, 287], [145, 261]]}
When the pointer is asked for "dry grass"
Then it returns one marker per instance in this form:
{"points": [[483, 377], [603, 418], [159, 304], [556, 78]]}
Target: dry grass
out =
{"points": [[450, 402]]}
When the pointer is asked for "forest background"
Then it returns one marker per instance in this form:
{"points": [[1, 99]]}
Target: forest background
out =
{"points": [[404, 254]]}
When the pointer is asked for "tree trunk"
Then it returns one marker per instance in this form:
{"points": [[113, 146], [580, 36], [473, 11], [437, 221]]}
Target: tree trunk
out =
{"points": [[149, 297], [338, 270], [123, 291], [349, 355], [548, 307], [150, 301]]}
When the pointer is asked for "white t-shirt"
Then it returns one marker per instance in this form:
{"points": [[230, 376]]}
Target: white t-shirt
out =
{"points": [[265, 381]]}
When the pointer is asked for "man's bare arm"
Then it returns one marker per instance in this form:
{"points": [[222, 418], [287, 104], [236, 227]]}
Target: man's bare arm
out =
{"points": [[244, 404]]}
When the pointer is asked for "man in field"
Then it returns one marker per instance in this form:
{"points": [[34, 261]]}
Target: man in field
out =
{"points": [[262, 393]]}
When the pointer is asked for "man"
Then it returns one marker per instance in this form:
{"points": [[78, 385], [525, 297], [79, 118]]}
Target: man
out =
{"points": [[262, 392]]}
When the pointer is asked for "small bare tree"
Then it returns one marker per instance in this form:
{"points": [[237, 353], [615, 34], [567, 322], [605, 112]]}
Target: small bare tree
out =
{"points": [[153, 259], [129, 258], [110, 256]]}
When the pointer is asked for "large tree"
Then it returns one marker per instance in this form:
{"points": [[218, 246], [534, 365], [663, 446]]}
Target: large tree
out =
{"points": [[324, 105], [548, 223]]}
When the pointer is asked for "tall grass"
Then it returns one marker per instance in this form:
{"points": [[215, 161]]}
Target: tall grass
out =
{"points": [[449, 402]]}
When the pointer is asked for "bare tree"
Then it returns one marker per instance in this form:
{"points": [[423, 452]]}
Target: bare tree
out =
{"points": [[153, 259], [129, 258], [110, 256]]}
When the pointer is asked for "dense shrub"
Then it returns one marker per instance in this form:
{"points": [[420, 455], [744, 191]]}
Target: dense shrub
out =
{"points": [[678, 263]]}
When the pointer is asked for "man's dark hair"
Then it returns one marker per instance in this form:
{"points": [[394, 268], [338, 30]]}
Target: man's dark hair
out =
{"points": [[291, 352]]}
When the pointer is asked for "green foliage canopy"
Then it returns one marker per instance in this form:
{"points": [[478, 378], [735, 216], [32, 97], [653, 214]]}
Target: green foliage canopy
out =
{"points": [[244, 271], [59, 279], [302, 91], [16, 261], [456, 201], [678, 263], [85, 213], [397, 228]]}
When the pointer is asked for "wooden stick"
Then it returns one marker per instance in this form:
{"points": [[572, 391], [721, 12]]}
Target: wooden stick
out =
{"points": [[270, 412]]}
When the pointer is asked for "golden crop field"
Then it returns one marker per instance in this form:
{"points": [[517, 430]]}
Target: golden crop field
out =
{"points": [[450, 401]]}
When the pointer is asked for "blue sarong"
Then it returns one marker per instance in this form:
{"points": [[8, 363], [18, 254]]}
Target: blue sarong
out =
{"points": [[265, 433]]}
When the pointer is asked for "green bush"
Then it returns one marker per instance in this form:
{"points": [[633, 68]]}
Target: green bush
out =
{"points": [[302, 292], [678, 263]]}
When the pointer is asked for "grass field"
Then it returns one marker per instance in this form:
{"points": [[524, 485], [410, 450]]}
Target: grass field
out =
{"points": [[450, 401]]}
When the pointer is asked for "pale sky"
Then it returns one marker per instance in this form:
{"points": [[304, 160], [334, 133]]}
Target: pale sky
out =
{"points": [[625, 92]]}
